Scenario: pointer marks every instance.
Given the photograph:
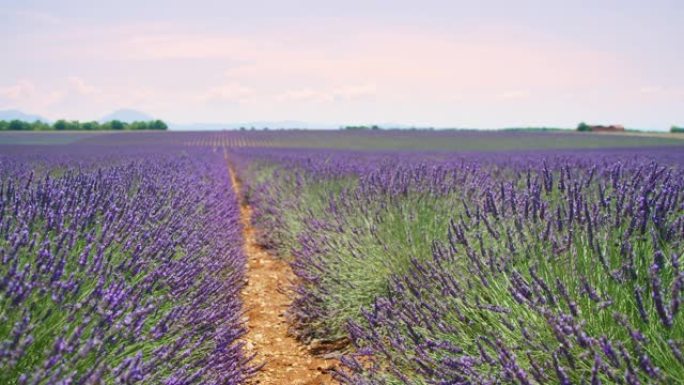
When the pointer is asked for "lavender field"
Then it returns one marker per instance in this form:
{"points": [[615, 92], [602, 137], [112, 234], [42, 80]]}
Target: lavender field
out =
{"points": [[114, 271], [420, 257]]}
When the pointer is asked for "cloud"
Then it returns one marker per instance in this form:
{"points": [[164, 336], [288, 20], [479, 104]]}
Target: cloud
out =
{"points": [[353, 92], [74, 97], [407, 57], [28, 91], [20, 90], [227, 93], [661, 92], [304, 95], [181, 46], [195, 73], [343, 93], [25, 94], [81, 87]]}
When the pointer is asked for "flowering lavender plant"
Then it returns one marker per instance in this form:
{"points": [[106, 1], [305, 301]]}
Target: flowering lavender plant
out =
{"points": [[486, 268], [115, 271]]}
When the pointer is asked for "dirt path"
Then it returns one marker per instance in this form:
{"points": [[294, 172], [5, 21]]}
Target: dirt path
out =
{"points": [[266, 297]]}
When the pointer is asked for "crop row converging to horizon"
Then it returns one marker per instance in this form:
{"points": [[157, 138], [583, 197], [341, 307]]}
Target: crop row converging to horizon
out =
{"points": [[114, 271], [485, 268], [526, 266]]}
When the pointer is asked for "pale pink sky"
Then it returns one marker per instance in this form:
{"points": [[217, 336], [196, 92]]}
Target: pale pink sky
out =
{"points": [[438, 63]]}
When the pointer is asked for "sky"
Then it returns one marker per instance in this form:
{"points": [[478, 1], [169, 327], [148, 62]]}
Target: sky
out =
{"points": [[452, 63]]}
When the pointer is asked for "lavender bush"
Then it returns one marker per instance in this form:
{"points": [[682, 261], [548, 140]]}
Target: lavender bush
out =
{"points": [[119, 268], [573, 278], [489, 268]]}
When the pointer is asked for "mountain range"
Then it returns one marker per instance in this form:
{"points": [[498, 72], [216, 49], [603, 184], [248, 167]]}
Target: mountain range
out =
{"points": [[19, 115], [124, 115], [130, 115]]}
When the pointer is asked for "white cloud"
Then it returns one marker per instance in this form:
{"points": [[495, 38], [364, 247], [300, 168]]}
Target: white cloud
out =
{"points": [[168, 45], [227, 93], [25, 94], [304, 95], [355, 91], [662, 91], [199, 73], [350, 92], [81, 87], [28, 91], [20, 90]]}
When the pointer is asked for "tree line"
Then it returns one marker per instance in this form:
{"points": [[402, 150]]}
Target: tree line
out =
{"points": [[361, 128], [75, 125]]}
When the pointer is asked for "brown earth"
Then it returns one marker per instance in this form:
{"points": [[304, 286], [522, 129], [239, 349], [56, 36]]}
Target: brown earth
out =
{"points": [[266, 297]]}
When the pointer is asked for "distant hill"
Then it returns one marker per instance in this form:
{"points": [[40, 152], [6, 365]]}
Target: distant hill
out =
{"points": [[19, 115], [127, 116]]}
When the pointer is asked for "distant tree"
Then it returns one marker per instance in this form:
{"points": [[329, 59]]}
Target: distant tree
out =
{"points": [[60, 125], [75, 125], [117, 125], [19, 125], [675, 129], [90, 126], [157, 125], [40, 126], [583, 127], [138, 126]]}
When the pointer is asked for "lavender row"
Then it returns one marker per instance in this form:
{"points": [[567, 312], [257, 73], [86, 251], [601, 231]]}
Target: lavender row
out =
{"points": [[488, 268], [119, 267], [557, 283]]}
